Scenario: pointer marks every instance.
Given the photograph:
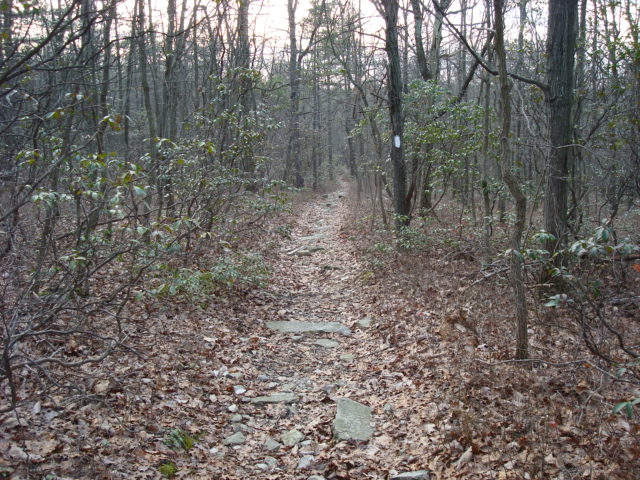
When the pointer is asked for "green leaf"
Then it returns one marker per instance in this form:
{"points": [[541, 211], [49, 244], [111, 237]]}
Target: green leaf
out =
{"points": [[619, 407]]}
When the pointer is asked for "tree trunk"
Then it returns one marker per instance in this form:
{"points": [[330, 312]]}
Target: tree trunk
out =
{"points": [[293, 146], [561, 48], [394, 85], [515, 263]]}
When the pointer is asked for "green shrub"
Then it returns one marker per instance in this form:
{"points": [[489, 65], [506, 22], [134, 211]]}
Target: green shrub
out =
{"points": [[237, 271]]}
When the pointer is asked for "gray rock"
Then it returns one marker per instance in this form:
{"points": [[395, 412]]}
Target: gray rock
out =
{"points": [[352, 421], [305, 251], [347, 357], [417, 475], [236, 439], [272, 462], [316, 477], [241, 427], [262, 466], [236, 418], [284, 397], [291, 437], [313, 238], [326, 343], [270, 444], [305, 462], [308, 327], [364, 322]]}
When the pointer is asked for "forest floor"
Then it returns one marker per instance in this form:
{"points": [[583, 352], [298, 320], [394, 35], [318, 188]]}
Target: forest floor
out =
{"points": [[216, 394]]}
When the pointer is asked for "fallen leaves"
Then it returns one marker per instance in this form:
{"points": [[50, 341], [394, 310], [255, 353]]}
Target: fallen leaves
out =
{"points": [[434, 406]]}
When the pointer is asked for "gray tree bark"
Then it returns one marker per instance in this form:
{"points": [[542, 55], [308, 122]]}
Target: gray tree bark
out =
{"points": [[561, 49]]}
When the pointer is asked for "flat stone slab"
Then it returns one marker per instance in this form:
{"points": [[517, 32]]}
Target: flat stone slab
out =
{"points": [[313, 238], [284, 397], [308, 327], [305, 251], [352, 421], [327, 343], [417, 475]]}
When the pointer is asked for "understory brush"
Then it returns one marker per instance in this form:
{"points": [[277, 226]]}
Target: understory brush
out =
{"points": [[573, 407]]}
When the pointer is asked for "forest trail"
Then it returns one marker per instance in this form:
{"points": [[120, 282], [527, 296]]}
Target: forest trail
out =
{"points": [[315, 336]]}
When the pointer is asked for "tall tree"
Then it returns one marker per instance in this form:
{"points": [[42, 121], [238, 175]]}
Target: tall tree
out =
{"points": [[561, 50], [515, 263], [389, 11]]}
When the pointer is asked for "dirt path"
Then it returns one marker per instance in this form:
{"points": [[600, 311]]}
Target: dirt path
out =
{"points": [[309, 372]]}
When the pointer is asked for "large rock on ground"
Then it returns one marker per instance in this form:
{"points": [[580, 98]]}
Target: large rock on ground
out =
{"points": [[353, 421], [308, 327]]}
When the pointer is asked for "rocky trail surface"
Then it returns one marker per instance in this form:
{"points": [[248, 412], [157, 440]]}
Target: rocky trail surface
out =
{"points": [[309, 412]]}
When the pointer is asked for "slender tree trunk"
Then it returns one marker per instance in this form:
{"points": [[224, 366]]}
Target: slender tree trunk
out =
{"points": [[246, 85], [293, 146]]}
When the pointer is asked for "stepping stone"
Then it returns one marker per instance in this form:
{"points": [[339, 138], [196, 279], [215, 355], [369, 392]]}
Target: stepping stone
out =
{"points": [[236, 439], [313, 238], [304, 251], [417, 475], [364, 322], [305, 462], [291, 438], [327, 343], [308, 327], [284, 397], [270, 444], [352, 421], [347, 357]]}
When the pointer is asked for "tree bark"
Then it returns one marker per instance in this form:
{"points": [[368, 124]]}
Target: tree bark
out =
{"points": [[394, 85], [561, 49], [517, 277]]}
